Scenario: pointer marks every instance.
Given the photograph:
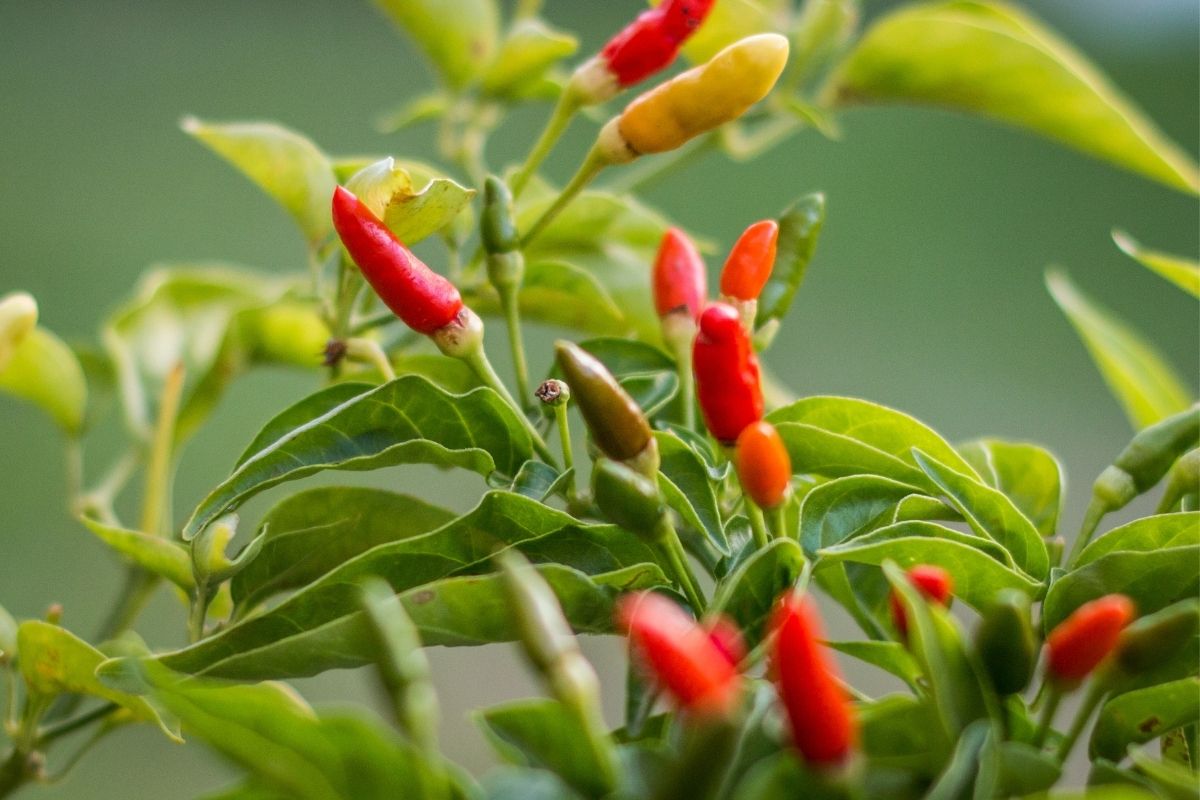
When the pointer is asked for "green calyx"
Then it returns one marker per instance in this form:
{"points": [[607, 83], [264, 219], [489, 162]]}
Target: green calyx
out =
{"points": [[616, 423], [1005, 642], [629, 499]]}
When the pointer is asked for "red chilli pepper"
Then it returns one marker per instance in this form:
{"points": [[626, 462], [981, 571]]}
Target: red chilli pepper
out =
{"points": [[425, 300], [684, 658], [679, 277], [750, 261], [727, 377], [823, 724], [1080, 642], [934, 584], [763, 465], [651, 42], [728, 638]]}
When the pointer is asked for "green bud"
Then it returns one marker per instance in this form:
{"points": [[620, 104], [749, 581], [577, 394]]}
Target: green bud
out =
{"points": [[629, 499], [209, 561], [497, 226], [617, 424], [287, 333], [1155, 638], [1005, 642]]}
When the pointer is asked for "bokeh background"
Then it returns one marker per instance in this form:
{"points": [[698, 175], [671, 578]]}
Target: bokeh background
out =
{"points": [[926, 293]]}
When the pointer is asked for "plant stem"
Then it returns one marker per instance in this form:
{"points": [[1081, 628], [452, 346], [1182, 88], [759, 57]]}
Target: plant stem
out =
{"points": [[677, 561], [369, 351], [156, 499], [592, 164], [564, 110], [777, 521], [371, 323], [512, 318], [1095, 694], [197, 614], [655, 169], [479, 363], [564, 441], [758, 525], [1091, 520], [1054, 696]]}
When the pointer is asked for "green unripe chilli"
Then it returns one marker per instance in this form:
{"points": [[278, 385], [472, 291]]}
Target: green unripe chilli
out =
{"points": [[1146, 459], [1155, 638], [629, 499], [1005, 642]]}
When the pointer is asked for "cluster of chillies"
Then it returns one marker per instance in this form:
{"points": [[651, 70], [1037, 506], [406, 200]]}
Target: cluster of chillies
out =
{"points": [[699, 664]]}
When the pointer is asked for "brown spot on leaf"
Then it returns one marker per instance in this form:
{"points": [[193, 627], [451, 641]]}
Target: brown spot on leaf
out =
{"points": [[423, 597], [1149, 724]]}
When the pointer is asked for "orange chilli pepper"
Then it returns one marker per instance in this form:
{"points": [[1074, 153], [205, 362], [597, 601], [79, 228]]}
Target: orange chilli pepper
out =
{"points": [[750, 261], [763, 464]]}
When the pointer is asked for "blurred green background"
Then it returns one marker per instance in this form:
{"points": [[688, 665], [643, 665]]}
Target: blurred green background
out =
{"points": [[926, 293]]}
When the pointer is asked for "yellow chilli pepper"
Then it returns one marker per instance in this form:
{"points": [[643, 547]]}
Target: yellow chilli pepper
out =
{"points": [[698, 100]]}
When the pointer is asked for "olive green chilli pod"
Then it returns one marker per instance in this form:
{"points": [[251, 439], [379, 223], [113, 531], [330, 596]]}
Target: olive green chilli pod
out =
{"points": [[1005, 642], [629, 499], [696, 101], [616, 422]]}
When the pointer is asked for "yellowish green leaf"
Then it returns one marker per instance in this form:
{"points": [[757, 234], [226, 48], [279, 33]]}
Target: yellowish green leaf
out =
{"points": [[458, 36], [1183, 272], [43, 370], [1141, 380]]}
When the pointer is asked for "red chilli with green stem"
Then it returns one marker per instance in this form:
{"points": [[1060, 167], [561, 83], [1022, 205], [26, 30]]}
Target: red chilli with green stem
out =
{"points": [[680, 285], [422, 299]]}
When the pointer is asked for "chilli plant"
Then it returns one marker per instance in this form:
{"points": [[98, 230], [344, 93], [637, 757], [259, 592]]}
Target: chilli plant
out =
{"points": [[709, 514]]}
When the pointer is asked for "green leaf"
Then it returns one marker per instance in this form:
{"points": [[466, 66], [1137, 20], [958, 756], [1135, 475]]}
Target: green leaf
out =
{"points": [[408, 420], [513, 783], [271, 733], [560, 293], [310, 533], [840, 509], [689, 488], [1142, 381], [891, 657], [54, 661], [544, 733], [748, 595], [1010, 769], [152, 553], [936, 643], [1144, 715], [960, 771], [320, 627], [1028, 475], [422, 108], [1155, 561], [300, 413], [1183, 272], [44, 371], [1169, 780], [458, 36], [799, 229], [978, 574], [284, 164], [992, 515], [900, 731], [182, 315], [530, 49], [857, 434], [992, 59]]}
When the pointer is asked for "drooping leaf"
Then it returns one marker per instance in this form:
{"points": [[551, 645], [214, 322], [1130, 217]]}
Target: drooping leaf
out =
{"points": [[530, 49], [310, 533], [1155, 561], [320, 626], [991, 514], [543, 733], [1028, 475], [44, 371], [54, 661], [1137, 375], [977, 571], [993, 59], [749, 593], [284, 164], [408, 420], [799, 228], [1183, 272], [458, 36], [958, 776], [1144, 715], [152, 553]]}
